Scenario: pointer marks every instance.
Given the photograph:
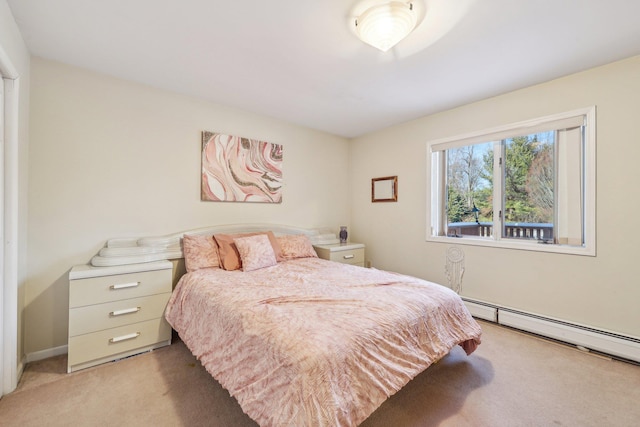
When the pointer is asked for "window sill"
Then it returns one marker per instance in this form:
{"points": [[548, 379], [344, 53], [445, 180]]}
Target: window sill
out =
{"points": [[524, 245]]}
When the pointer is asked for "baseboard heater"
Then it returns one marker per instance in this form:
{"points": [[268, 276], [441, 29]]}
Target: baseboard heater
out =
{"points": [[584, 337]]}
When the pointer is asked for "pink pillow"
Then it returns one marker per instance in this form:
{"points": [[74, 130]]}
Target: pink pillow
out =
{"points": [[229, 256], [255, 252], [296, 246], [200, 252]]}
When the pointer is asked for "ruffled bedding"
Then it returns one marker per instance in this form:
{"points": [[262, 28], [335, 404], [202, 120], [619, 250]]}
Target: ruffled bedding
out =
{"points": [[309, 342]]}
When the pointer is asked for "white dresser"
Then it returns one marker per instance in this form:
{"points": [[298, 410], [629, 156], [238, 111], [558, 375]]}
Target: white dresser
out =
{"points": [[349, 253], [116, 312]]}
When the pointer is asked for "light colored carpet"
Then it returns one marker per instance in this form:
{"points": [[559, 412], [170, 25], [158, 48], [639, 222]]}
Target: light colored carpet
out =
{"points": [[513, 379]]}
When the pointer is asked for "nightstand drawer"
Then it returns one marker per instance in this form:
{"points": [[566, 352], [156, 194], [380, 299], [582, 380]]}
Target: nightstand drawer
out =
{"points": [[354, 256], [349, 253], [92, 318], [111, 342], [97, 290]]}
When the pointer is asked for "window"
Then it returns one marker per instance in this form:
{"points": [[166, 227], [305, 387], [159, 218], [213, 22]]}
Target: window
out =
{"points": [[529, 185]]}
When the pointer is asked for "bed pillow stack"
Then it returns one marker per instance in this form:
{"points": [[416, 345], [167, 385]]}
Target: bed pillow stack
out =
{"points": [[246, 251], [230, 257]]}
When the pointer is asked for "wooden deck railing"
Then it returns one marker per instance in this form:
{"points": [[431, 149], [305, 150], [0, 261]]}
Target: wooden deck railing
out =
{"points": [[535, 231]]}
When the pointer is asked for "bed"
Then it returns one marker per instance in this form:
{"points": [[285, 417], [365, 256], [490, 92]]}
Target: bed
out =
{"points": [[301, 341]]}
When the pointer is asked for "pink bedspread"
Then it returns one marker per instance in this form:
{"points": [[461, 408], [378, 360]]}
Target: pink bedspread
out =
{"points": [[310, 342]]}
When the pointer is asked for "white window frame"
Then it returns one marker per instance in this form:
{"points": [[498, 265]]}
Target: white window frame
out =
{"points": [[435, 194]]}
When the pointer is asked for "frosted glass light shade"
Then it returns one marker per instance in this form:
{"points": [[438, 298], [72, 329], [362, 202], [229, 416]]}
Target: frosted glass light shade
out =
{"points": [[384, 25]]}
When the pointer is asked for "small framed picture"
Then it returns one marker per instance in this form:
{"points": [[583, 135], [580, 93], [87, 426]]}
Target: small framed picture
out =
{"points": [[384, 189]]}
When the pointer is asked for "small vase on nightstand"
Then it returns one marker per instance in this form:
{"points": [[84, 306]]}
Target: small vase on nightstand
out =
{"points": [[343, 234]]}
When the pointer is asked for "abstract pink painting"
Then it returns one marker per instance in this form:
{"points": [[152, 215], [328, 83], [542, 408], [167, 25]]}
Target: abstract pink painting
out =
{"points": [[236, 169]]}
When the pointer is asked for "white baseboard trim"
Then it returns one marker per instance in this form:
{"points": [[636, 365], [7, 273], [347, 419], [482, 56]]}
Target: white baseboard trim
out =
{"points": [[585, 337], [21, 366], [481, 311], [45, 354]]}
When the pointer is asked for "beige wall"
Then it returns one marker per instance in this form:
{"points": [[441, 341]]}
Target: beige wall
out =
{"points": [[110, 158], [16, 161], [599, 291]]}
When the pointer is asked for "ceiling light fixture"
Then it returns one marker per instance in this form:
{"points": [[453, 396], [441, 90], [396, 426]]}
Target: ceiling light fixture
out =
{"points": [[384, 25]]}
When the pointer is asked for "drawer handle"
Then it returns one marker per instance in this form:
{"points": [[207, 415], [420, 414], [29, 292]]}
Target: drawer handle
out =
{"points": [[124, 311], [349, 256], [124, 337], [124, 286]]}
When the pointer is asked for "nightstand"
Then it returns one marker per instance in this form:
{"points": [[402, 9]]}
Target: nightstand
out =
{"points": [[116, 312], [349, 253]]}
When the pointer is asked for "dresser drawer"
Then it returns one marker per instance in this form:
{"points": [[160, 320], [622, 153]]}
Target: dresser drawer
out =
{"points": [[92, 318], [97, 290], [111, 342]]}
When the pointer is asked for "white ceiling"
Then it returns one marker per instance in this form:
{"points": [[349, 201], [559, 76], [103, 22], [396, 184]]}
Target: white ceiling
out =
{"points": [[299, 60]]}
